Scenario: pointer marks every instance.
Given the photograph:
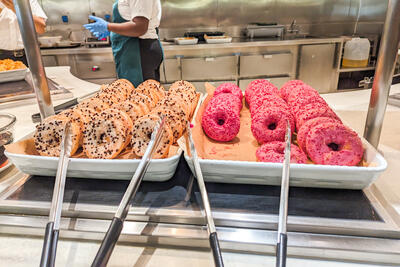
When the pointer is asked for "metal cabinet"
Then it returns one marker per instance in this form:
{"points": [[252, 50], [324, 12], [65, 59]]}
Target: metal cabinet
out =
{"points": [[170, 70], [89, 66], [277, 81], [317, 66], [270, 64], [209, 68]]}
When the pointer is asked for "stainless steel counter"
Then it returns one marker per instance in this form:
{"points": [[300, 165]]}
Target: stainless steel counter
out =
{"points": [[239, 62], [168, 46]]}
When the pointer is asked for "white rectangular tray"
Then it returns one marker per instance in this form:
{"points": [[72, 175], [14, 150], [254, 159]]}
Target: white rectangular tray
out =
{"points": [[302, 175], [115, 169], [211, 40], [12, 75], [186, 41]]}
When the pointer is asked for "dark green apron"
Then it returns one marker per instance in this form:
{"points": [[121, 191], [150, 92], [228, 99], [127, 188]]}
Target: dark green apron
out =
{"points": [[126, 51]]}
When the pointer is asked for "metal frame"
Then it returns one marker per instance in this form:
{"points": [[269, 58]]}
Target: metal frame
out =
{"points": [[239, 240], [345, 240]]}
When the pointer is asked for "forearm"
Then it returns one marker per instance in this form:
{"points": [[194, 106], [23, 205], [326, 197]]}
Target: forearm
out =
{"points": [[40, 24], [130, 29]]}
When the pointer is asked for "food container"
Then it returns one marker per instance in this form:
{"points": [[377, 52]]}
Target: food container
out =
{"points": [[186, 40], [12, 75], [356, 53], [224, 169], [217, 39], [260, 30], [49, 41], [7, 122], [114, 169], [24, 156]]}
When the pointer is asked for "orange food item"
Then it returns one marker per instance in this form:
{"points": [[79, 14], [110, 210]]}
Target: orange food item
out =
{"points": [[9, 64]]}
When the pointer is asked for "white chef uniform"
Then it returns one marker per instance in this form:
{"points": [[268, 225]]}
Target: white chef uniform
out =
{"points": [[9, 30], [150, 9]]}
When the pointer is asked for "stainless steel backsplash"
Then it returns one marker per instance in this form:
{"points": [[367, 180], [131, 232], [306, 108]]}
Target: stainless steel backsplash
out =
{"points": [[315, 17]]}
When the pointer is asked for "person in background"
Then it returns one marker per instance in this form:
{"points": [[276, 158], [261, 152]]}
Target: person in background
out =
{"points": [[11, 45], [134, 38]]}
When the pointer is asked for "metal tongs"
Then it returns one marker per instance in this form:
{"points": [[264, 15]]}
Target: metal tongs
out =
{"points": [[281, 246], [213, 238], [53, 226], [107, 246]]}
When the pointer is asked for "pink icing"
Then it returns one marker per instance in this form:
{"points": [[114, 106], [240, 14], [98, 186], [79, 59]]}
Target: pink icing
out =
{"points": [[226, 99], [267, 101], [306, 128], [321, 111], [253, 85], [220, 122], [334, 144], [275, 152], [229, 88], [270, 124], [289, 87]]}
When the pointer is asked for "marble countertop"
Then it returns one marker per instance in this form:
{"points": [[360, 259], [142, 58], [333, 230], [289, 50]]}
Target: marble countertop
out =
{"points": [[351, 106]]}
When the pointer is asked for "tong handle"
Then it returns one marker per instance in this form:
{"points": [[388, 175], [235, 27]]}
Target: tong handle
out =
{"points": [[47, 245], [281, 251], [214, 243], [107, 246]]}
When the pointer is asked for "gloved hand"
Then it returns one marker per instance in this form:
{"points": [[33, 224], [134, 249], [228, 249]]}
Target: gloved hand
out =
{"points": [[99, 28]]}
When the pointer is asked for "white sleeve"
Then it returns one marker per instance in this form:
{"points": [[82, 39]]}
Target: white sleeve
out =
{"points": [[141, 8], [37, 10], [9, 31]]}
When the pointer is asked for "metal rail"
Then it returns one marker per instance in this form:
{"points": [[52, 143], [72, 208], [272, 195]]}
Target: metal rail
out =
{"points": [[383, 74], [32, 51]]}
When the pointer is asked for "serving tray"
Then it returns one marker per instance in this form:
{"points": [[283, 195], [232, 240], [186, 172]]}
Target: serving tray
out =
{"points": [[118, 169], [302, 175], [12, 75]]}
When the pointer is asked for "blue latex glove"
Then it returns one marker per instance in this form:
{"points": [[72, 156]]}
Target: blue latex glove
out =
{"points": [[99, 28]]}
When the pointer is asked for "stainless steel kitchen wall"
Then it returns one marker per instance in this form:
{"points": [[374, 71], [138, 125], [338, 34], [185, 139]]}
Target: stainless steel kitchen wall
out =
{"points": [[319, 17]]}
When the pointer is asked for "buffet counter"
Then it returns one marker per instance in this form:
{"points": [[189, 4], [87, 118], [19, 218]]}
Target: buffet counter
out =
{"points": [[23, 248]]}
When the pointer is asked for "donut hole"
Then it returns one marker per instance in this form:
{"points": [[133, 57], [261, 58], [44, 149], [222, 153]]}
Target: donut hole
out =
{"points": [[272, 126], [221, 119], [103, 137], [334, 146]]}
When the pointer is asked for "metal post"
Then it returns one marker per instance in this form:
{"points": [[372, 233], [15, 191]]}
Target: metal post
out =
{"points": [[32, 51], [383, 73]]}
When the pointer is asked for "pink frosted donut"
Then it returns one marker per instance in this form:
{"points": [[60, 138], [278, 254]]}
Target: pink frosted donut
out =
{"points": [[226, 99], [252, 85], [288, 87], [275, 152], [322, 111], [334, 144], [298, 110], [267, 101], [297, 103], [260, 90], [221, 123], [306, 128], [270, 124], [229, 88]]}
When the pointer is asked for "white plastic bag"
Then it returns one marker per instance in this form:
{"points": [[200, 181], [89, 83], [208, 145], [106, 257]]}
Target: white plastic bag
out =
{"points": [[10, 37], [356, 53]]}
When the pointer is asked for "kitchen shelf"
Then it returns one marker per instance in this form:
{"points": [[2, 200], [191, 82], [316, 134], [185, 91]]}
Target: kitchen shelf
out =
{"points": [[356, 69]]}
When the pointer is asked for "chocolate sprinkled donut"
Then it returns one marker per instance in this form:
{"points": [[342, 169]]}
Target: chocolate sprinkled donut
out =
{"points": [[141, 135], [48, 135]]}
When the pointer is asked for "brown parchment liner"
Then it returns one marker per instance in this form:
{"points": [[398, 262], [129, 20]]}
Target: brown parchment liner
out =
{"points": [[27, 147], [242, 148]]}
